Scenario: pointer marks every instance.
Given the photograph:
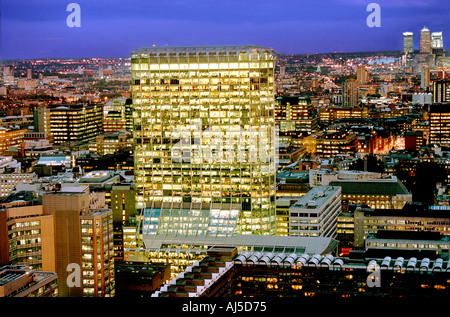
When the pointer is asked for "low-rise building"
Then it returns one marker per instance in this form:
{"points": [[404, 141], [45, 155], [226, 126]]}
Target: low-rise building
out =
{"points": [[21, 281], [315, 214]]}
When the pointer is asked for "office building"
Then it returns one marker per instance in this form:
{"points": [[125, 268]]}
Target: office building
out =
{"points": [[204, 139], [110, 143], [8, 75], [336, 143], [226, 273], [425, 41], [11, 137], [441, 91], [295, 115], [21, 281], [330, 114], [409, 218], [350, 91], [184, 251], [83, 240], [381, 192], [123, 206], [41, 116], [425, 77], [27, 237], [437, 44], [362, 75], [115, 115], [75, 123], [409, 240], [315, 214], [439, 118], [408, 42]]}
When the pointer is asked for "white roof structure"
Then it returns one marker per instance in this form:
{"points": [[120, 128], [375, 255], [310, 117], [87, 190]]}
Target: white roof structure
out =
{"points": [[278, 244]]}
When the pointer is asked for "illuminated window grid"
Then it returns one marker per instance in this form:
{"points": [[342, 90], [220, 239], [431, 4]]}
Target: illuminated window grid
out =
{"points": [[180, 94]]}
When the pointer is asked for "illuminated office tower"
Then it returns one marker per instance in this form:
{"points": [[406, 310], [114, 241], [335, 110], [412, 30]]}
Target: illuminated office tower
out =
{"points": [[204, 140], [425, 40], [439, 117], [408, 42], [75, 122]]}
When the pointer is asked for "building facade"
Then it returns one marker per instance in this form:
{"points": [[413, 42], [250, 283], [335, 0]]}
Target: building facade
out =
{"points": [[75, 123], [408, 42], [204, 139], [439, 118], [315, 214]]}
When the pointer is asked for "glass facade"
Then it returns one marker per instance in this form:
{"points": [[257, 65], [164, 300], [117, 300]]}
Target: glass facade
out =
{"points": [[204, 139]]}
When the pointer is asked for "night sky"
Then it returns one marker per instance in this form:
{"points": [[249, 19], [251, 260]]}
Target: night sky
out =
{"points": [[114, 28]]}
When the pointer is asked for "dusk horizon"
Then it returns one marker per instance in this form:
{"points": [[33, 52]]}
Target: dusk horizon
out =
{"points": [[114, 29]]}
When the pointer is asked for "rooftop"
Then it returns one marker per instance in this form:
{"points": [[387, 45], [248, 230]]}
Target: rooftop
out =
{"points": [[255, 242], [316, 197], [200, 50], [390, 187]]}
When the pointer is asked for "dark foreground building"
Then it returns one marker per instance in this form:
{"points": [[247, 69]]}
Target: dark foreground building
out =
{"points": [[225, 273]]}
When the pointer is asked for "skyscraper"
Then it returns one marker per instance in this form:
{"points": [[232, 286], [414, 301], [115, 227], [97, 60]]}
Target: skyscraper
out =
{"points": [[204, 140], [362, 75], [350, 91], [408, 42], [437, 43], [425, 40], [425, 77]]}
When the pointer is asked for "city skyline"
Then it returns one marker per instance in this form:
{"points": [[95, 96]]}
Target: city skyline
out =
{"points": [[113, 29]]}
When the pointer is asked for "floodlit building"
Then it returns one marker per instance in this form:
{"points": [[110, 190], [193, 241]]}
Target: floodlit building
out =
{"points": [[409, 218], [75, 123], [204, 139], [439, 118]]}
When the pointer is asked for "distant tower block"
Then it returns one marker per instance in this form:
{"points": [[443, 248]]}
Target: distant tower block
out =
{"points": [[425, 40], [408, 43]]}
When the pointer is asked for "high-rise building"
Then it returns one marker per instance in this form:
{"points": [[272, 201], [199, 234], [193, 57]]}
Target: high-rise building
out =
{"points": [[362, 75], [437, 43], [204, 140], [83, 243], [425, 77], [439, 118], [27, 238], [8, 75], [408, 42], [350, 93], [75, 123], [425, 40], [41, 116]]}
